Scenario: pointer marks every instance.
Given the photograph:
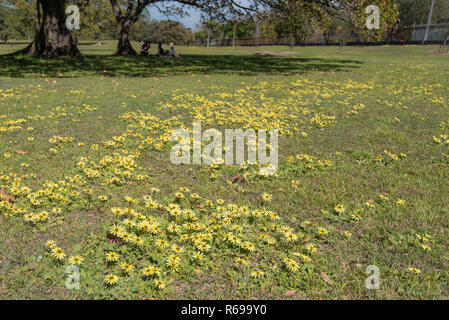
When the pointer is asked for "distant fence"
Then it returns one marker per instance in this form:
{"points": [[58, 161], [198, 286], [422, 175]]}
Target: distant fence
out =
{"points": [[436, 32], [394, 36]]}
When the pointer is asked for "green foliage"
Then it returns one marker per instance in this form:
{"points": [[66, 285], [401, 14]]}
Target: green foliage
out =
{"points": [[416, 11], [162, 31], [19, 20], [389, 14], [97, 20]]}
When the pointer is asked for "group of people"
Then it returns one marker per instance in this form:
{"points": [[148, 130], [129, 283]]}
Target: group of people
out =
{"points": [[161, 53]]}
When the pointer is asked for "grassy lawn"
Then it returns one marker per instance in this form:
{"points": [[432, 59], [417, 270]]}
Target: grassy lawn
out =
{"points": [[362, 179]]}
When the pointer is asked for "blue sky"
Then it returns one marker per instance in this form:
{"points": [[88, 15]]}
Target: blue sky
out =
{"points": [[189, 21]]}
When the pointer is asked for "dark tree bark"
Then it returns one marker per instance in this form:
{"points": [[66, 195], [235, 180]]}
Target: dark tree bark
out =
{"points": [[124, 23], [53, 38], [126, 18], [124, 45]]}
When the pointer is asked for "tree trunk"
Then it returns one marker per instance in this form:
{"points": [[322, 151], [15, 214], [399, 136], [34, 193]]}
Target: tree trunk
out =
{"points": [[53, 38], [124, 47]]}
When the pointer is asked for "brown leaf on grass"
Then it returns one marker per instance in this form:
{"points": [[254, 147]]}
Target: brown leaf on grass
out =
{"points": [[325, 277], [20, 151], [306, 239], [5, 197], [112, 239], [238, 178], [289, 293]]}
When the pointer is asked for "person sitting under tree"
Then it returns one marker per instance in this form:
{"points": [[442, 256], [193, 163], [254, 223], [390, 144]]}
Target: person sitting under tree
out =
{"points": [[145, 47], [172, 53], [160, 50]]}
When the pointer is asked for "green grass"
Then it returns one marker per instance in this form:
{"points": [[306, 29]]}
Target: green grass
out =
{"points": [[347, 106]]}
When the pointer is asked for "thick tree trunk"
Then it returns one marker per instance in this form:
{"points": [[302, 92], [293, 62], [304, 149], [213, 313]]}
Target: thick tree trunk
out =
{"points": [[124, 47], [53, 38]]}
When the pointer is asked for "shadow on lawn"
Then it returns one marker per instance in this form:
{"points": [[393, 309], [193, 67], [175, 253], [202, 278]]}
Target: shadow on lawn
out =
{"points": [[138, 66]]}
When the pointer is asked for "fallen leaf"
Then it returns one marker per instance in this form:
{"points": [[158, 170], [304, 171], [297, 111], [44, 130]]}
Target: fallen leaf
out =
{"points": [[325, 277], [238, 178], [5, 197], [289, 293], [112, 239], [20, 151]]}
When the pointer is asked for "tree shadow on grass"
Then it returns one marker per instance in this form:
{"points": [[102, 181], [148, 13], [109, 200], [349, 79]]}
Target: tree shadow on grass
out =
{"points": [[21, 66]]}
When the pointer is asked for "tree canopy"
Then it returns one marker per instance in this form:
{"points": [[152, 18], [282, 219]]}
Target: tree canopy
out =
{"points": [[123, 19]]}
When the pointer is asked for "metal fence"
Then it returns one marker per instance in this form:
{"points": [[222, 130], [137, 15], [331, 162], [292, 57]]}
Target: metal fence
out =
{"points": [[438, 33]]}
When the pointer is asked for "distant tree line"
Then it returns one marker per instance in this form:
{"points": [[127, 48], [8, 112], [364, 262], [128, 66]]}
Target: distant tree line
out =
{"points": [[18, 20], [335, 28], [126, 20], [301, 22]]}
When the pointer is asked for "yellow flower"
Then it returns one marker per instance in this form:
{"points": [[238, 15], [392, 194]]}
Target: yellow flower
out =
{"points": [[117, 211], [322, 231], [110, 279], [116, 230], [240, 261], [257, 274], [50, 244], [76, 260], [180, 195], [267, 197], [195, 196], [291, 236], [126, 267], [291, 265], [339, 208], [112, 256], [150, 271], [58, 253], [414, 270], [162, 243], [137, 240], [159, 284]]}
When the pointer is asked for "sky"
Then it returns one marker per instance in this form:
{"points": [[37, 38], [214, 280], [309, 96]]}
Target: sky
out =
{"points": [[189, 21]]}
